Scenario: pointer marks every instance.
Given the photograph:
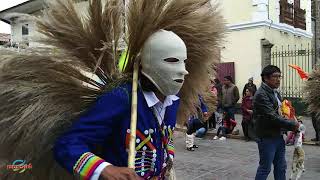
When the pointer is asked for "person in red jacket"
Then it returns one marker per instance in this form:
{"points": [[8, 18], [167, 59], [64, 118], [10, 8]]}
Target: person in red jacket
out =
{"points": [[227, 127], [247, 111]]}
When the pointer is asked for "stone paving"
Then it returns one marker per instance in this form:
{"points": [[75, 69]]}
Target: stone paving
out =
{"points": [[232, 160]]}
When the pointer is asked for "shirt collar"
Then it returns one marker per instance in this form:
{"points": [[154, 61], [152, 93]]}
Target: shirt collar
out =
{"points": [[152, 99], [271, 89]]}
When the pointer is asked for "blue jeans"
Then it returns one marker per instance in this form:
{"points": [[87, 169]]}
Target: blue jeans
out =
{"points": [[200, 133], [271, 150]]}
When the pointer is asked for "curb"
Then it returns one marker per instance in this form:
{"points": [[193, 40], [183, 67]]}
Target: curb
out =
{"points": [[212, 134]]}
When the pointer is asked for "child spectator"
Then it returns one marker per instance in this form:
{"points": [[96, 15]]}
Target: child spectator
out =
{"points": [[227, 128], [247, 112]]}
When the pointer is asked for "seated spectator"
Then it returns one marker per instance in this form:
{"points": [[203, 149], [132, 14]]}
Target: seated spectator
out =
{"points": [[196, 122], [228, 126], [200, 133]]}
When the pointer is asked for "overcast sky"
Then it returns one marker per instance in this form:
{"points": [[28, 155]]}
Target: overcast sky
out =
{"points": [[4, 4]]}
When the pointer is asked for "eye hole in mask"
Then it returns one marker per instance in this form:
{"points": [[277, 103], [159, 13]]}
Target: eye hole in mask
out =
{"points": [[171, 60]]}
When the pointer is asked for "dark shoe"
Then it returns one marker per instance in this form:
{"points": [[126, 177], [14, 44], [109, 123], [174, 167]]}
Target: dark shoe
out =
{"points": [[195, 146], [247, 139], [190, 148]]}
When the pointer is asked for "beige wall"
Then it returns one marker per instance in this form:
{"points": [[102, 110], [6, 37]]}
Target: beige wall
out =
{"points": [[242, 45], [237, 11], [279, 38], [274, 10], [243, 48]]}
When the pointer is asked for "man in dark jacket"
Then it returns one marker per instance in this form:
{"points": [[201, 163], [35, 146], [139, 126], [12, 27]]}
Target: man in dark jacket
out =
{"points": [[269, 125], [250, 84]]}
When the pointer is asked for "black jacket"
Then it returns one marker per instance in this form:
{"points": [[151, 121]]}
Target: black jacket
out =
{"points": [[267, 120]]}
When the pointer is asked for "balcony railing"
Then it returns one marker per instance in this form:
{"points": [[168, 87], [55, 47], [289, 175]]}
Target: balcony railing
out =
{"points": [[300, 18], [294, 16], [286, 13]]}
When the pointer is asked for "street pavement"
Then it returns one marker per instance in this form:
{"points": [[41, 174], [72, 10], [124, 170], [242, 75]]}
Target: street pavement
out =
{"points": [[232, 159]]}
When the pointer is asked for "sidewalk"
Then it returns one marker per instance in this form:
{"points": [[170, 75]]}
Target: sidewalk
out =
{"points": [[232, 160], [310, 133]]}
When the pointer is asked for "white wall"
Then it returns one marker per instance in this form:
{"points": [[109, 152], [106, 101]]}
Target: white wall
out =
{"points": [[243, 48]]}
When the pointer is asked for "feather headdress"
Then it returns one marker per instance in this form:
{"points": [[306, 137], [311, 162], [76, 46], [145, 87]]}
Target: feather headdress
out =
{"points": [[197, 22], [312, 91], [43, 92]]}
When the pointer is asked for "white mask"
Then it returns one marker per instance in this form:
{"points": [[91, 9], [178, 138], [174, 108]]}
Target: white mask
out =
{"points": [[162, 61]]}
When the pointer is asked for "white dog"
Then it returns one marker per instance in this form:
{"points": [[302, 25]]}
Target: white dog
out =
{"points": [[298, 155]]}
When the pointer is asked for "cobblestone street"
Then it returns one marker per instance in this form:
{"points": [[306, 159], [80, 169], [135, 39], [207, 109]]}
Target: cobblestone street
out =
{"points": [[232, 160]]}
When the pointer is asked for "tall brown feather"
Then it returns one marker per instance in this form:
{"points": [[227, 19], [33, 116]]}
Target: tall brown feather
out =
{"points": [[44, 91], [312, 92], [41, 96], [197, 22], [93, 39]]}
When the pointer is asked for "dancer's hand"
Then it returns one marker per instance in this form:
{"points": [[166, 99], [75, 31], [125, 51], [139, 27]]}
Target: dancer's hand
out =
{"points": [[118, 173]]}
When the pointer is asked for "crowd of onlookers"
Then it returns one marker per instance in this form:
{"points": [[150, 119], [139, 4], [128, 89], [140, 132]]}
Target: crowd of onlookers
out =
{"points": [[223, 119], [264, 120]]}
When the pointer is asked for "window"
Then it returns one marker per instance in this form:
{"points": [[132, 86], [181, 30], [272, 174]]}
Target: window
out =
{"points": [[292, 14], [25, 29]]}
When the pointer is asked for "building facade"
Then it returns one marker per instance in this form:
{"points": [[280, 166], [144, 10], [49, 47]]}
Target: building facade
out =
{"points": [[24, 32], [255, 27], [316, 28]]}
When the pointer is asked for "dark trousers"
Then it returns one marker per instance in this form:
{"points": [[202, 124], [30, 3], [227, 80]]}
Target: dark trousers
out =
{"points": [[271, 151], [193, 125], [245, 128], [212, 121], [230, 110], [316, 125], [223, 130]]}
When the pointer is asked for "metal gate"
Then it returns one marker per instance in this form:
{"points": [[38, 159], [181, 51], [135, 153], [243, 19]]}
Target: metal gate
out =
{"points": [[291, 83]]}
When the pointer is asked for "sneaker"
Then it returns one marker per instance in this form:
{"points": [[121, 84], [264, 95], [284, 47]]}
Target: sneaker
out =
{"points": [[195, 146], [215, 138], [289, 144], [222, 138], [190, 148]]}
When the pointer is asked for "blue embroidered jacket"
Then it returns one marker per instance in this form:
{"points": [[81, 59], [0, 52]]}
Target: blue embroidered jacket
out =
{"points": [[106, 126]]}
